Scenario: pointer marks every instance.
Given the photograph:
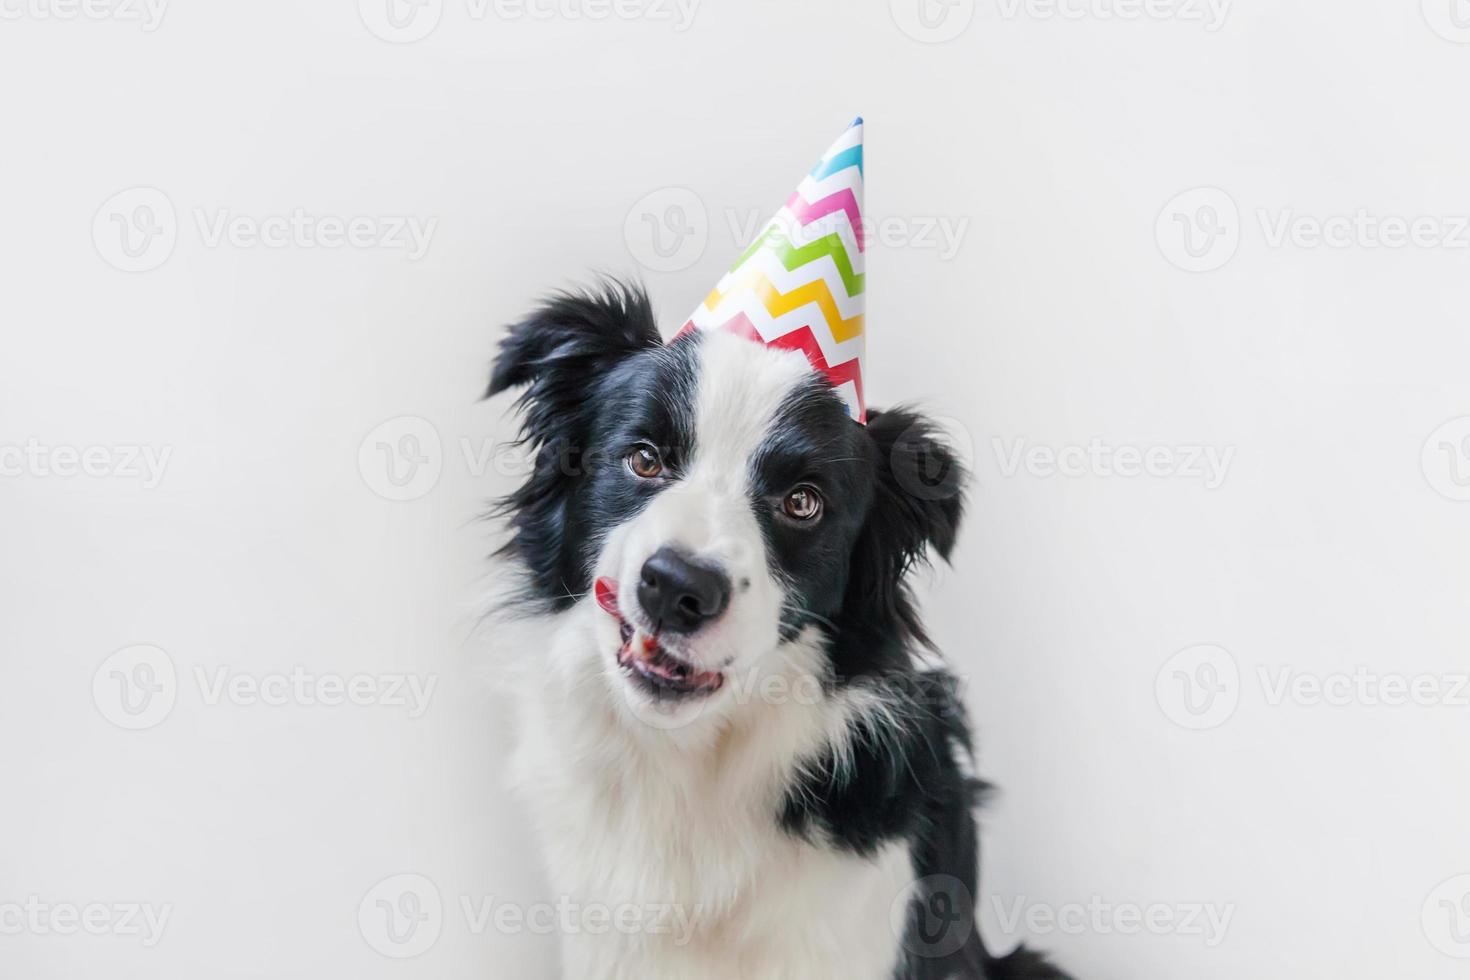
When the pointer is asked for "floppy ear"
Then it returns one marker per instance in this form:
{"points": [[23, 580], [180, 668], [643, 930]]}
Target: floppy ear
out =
{"points": [[568, 339], [916, 508], [558, 352], [921, 483]]}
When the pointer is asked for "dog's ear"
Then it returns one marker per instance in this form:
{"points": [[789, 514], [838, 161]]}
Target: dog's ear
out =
{"points": [[921, 484], [917, 506], [558, 353], [568, 340]]}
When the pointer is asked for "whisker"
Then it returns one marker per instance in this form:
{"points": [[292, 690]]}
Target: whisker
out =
{"points": [[807, 614]]}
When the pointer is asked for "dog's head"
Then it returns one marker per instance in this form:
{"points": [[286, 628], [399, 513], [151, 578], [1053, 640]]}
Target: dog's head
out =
{"points": [[714, 498]]}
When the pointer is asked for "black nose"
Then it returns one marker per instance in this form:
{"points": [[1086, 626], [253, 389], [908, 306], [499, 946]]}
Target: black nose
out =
{"points": [[679, 595]]}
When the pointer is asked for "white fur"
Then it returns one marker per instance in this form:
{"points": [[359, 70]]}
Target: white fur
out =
{"points": [[636, 803], [635, 813]]}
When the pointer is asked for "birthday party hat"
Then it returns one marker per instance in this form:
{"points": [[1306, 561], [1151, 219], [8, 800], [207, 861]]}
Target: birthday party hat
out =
{"points": [[799, 286]]}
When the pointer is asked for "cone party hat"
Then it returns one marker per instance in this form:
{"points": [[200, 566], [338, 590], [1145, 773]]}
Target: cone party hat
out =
{"points": [[799, 286]]}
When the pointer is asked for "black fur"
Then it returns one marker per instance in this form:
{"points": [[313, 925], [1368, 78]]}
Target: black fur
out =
{"points": [[572, 355], [597, 381]]}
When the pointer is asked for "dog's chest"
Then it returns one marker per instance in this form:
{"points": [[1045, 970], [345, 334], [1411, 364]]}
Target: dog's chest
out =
{"points": [[626, 824], [720, 890], [692, 841]]}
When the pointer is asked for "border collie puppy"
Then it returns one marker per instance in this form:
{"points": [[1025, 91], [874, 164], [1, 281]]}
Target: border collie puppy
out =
{"points": [[741, 759]]}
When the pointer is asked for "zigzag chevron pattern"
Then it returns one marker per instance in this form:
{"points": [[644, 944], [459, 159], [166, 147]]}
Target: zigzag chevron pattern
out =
{"points": [[776, 242], [799, 286], [805, 211]]}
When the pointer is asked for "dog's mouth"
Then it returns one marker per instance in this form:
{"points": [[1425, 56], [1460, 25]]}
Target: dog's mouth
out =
{"points": [[645, 661]]}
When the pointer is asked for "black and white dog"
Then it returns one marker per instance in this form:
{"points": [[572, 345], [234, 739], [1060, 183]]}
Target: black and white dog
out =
{"points": [[728, 718]]}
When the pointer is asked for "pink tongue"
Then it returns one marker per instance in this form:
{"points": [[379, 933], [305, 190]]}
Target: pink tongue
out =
{"points": [[605, 590]]}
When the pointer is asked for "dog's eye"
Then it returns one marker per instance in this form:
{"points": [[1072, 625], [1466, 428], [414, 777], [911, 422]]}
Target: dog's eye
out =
{"points": [[644, 461], [803, 504]]}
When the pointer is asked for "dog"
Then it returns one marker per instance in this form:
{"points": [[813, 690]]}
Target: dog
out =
{"points": [[731, 729]]}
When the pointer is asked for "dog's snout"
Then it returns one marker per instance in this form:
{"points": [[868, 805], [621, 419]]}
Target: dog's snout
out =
{"points": [[679, 594]]}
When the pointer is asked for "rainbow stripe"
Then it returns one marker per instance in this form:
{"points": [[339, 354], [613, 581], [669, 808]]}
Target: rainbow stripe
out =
{"points": [[799, 286]]}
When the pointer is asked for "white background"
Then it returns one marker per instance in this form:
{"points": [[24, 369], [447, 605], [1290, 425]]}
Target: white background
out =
{"points": [[543, 148]]}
